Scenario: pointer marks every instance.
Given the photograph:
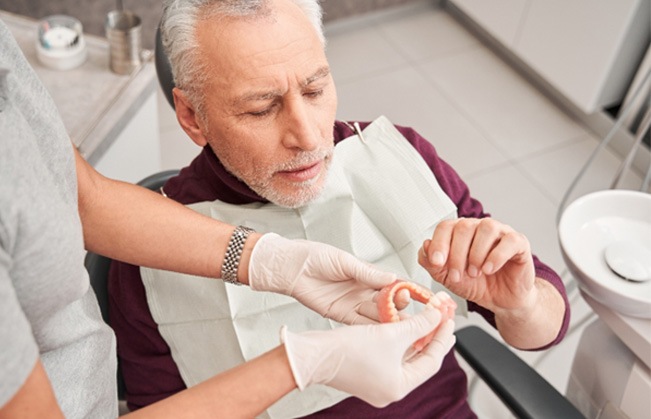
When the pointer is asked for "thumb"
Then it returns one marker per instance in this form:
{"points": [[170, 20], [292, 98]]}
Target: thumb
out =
{"points": [[429, 361], [443, 341], [419, 325]]}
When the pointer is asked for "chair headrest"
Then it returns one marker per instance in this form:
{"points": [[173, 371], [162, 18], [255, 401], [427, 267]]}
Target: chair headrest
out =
{"points": [[164, 69]]}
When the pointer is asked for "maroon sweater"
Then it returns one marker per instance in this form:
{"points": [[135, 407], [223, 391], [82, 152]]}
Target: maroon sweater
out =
{"points": [[149, 371]]}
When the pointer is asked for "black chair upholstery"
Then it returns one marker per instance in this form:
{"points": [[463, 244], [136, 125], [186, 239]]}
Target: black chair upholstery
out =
{"points": [[98, 266], [520, 387], [157, 180]]}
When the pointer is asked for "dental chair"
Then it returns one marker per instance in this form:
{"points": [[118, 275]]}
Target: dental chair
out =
{"points": [[520, 387]]}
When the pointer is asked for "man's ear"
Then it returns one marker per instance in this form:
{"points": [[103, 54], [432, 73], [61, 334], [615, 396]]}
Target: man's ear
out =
{"points": [[188, 118]]}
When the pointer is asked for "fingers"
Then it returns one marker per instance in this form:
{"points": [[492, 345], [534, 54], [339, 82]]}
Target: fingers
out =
{"points": [[368, 313], [443, 340], [425, 364], [512, 245], [402, 299], [460, 240], [447, 305], [438, 272], [366, 273], [431, 357], [368, 310], [471, 246]]}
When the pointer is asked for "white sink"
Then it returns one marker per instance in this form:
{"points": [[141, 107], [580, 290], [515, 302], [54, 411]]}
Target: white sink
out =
{"points": [[606, 232]]}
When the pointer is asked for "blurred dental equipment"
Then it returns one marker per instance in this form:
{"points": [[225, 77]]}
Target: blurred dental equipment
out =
{"points": [[60, 43], [605, 239]]}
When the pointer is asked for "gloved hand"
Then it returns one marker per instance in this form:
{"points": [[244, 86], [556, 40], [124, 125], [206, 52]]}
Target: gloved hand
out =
{"points": [[329, 281], [368, 361]]}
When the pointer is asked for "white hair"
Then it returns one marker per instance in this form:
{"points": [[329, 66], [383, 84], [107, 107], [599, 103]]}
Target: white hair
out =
{"points": [[178, 35]]}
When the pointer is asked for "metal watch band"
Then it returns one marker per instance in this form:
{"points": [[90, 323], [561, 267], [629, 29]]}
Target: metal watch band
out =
{"points": [[234, 253]]}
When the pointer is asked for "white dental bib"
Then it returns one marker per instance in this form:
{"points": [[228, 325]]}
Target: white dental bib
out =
{"points": [[380, 202]]}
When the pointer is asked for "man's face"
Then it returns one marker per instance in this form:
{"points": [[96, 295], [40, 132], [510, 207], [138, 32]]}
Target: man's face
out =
{"points": [[270, 102]]}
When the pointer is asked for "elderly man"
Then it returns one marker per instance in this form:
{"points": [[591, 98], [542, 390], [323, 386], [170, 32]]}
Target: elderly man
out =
{"points": [[254, 89]]}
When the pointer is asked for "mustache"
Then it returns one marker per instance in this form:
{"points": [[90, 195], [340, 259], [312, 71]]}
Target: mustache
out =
{"points": [[304, 158]]}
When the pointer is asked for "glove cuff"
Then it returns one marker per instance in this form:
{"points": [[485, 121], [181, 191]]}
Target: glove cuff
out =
{"points": [[291, 351], [314, 356]]}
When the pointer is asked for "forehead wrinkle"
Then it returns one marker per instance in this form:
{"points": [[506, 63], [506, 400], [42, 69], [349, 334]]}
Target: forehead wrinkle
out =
{"points": [[272, 94], [257, 96]]}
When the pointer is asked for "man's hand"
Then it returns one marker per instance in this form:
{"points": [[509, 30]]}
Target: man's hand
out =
{"points": [[489, 263], [327, 280], [482, 260]]}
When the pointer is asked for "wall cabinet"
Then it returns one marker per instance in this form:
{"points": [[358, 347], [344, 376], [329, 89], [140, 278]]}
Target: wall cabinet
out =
{"points": [[501, 18], [588, 50]]}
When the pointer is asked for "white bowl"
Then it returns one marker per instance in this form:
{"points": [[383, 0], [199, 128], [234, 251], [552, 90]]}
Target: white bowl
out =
{"points": [[589, 230]]}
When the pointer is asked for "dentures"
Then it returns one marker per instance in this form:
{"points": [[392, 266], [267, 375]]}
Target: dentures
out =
{"points": [[389, 313]]}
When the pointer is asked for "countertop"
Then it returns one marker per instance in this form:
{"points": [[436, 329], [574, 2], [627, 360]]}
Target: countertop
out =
{"points": [[95, 103]]}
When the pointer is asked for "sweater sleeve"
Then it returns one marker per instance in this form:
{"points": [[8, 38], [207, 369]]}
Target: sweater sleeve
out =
{"points": [[19, 350]]}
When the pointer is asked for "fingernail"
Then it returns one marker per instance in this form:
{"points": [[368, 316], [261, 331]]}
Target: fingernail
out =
{"points": [[437, 258], [453, 276], [472, 271], [488, 268]]}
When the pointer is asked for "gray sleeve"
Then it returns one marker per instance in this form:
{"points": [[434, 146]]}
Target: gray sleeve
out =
{"points": [[19, 351], [18, 348]]}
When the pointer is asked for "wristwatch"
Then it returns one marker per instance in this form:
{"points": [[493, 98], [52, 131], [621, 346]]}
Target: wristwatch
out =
{"points": [[234, 253]]}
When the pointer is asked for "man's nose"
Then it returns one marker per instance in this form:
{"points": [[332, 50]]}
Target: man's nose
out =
{"points": [[300, 131]]}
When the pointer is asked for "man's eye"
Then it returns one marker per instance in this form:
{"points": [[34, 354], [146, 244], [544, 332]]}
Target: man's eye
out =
{"points": [[313, 94], [260, 114], [263, 112]]}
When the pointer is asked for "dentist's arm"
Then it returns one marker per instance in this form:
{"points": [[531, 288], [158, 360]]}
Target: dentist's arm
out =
{"points": [[135, 225], [138, 226], [241, 392], [365, 360]]}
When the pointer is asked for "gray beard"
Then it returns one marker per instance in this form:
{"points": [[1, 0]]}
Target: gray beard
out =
{"points": [[305, 191]]}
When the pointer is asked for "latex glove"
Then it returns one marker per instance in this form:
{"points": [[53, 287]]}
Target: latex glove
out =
{"points": [[329, 281], [368, 361]]}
